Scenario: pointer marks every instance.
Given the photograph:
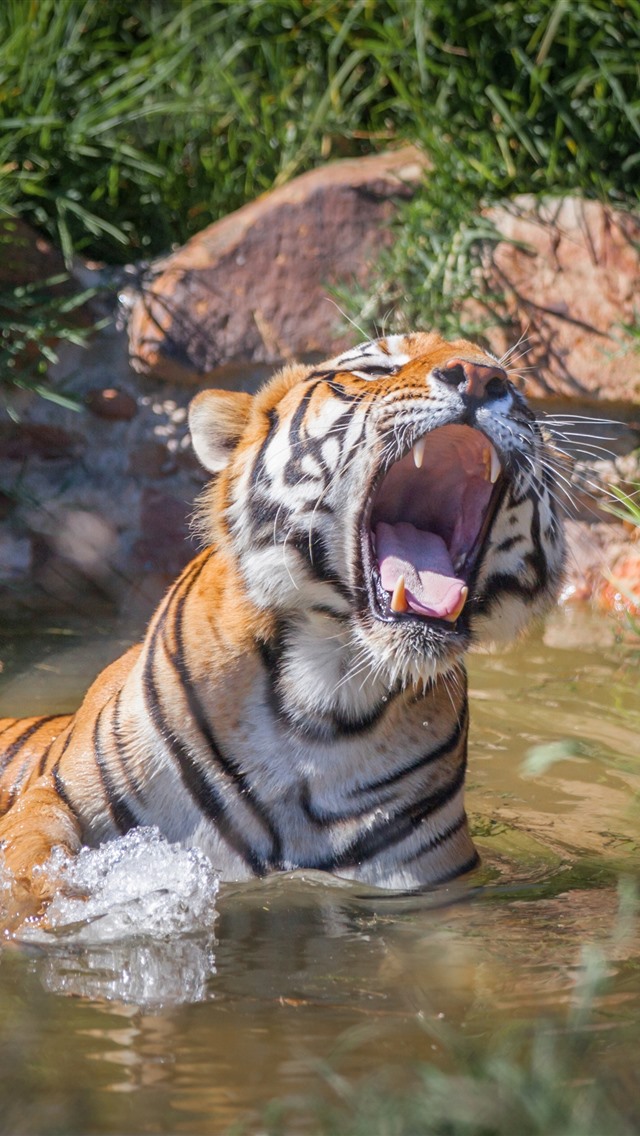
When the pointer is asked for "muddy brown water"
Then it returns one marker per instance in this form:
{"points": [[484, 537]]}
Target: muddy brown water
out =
{"points": [[304, 979]]}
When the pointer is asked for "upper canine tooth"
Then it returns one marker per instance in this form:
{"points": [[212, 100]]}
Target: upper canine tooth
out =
{"points": [[398, 599], [495, 468], [418, 452]]}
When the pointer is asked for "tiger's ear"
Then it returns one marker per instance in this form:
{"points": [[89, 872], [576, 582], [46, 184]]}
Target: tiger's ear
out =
{"points": [[217, 419]]}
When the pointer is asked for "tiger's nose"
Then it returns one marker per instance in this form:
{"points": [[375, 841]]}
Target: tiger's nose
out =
{"points": [[481, 381]]}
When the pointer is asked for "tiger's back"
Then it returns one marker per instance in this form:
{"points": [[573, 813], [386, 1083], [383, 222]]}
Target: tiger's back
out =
{"points": [[300, 698]]}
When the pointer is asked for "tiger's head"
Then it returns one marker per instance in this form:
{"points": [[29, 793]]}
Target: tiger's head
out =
{"points": [[403, 489]]}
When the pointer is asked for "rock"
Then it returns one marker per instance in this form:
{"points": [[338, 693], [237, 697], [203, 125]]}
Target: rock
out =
{"points": [[6, 505], [112, 404], [620, 591], [26, 257], [15, 557], [255, 285], [164, 545], [603, 566], [22, 440], [569, 271], [151, 459]]}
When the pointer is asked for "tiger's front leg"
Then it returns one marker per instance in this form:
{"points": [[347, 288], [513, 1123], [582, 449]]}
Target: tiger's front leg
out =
{"points": [[37, 823]]}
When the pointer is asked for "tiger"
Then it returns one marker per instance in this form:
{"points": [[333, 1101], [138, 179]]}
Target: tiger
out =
{"points": [[299, 700]]}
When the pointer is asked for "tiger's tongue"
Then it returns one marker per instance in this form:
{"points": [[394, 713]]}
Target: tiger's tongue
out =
{"points": [[431, 587]]}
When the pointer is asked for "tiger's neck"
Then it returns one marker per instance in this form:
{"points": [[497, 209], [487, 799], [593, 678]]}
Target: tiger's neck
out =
{"points": [[320, 676], [380, 767], [320, 679], [309, 757]]}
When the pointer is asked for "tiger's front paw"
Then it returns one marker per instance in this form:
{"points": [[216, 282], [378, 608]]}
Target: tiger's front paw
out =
{"points": [[37, 823]]}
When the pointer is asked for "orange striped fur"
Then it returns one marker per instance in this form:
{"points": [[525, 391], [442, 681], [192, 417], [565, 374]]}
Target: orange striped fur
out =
{"points": [[287, 708]]}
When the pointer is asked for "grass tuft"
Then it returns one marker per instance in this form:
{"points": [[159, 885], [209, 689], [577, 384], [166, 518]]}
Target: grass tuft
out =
{"points": [[126, 129]]}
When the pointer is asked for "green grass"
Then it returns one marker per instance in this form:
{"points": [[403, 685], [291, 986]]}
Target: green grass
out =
{"points": [[127, 128]]}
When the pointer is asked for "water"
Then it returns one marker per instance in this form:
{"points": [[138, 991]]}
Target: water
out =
{"points": [[154, 1001]]}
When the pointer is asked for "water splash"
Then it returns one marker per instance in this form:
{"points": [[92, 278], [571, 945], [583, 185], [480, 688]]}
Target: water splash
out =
{"points": [[132, 921], [136, 885]]}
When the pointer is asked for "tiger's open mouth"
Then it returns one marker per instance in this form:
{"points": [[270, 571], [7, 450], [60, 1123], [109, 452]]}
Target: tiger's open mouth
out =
{"points": [[427, 523]]}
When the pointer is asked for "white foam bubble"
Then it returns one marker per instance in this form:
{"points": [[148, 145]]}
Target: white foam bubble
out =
{"points": [[137, 885]]}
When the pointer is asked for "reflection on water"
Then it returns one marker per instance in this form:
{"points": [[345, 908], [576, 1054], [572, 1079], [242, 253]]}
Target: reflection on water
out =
{"points": [[193, 1011]]}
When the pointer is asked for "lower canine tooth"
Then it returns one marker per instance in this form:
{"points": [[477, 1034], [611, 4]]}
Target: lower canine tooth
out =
{"points": [[398, 599], [418, 452], [451, 618]]}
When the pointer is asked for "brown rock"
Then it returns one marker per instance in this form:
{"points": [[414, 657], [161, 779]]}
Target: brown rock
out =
{"points": [[7, 504], [151, 459], [569, 271], [112, 404], [15, 557], [22, 440], [621, 590], [26, 257], [254, 285], [603, 565], [164, 546]]}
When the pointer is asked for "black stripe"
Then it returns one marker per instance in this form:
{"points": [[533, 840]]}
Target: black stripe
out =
{"points": [[293, 473], [312, 446], [319, 818], [327, 379], [509, 542], [538, 560], [302, 446], [60, 789], [499, 584], [259, 469], [355, 446], [325, 819], [393, 830], [123, 818], [505, 583], [467, 866], [375, 370], [208, 800], [121, 749], [226, 764], [517, 497], [312, 548], [443, 750], [27, 733], [65, 746], [340, 391], [436, 841], [43, 759], [18, 781], [324, 609], [265, 512]]}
